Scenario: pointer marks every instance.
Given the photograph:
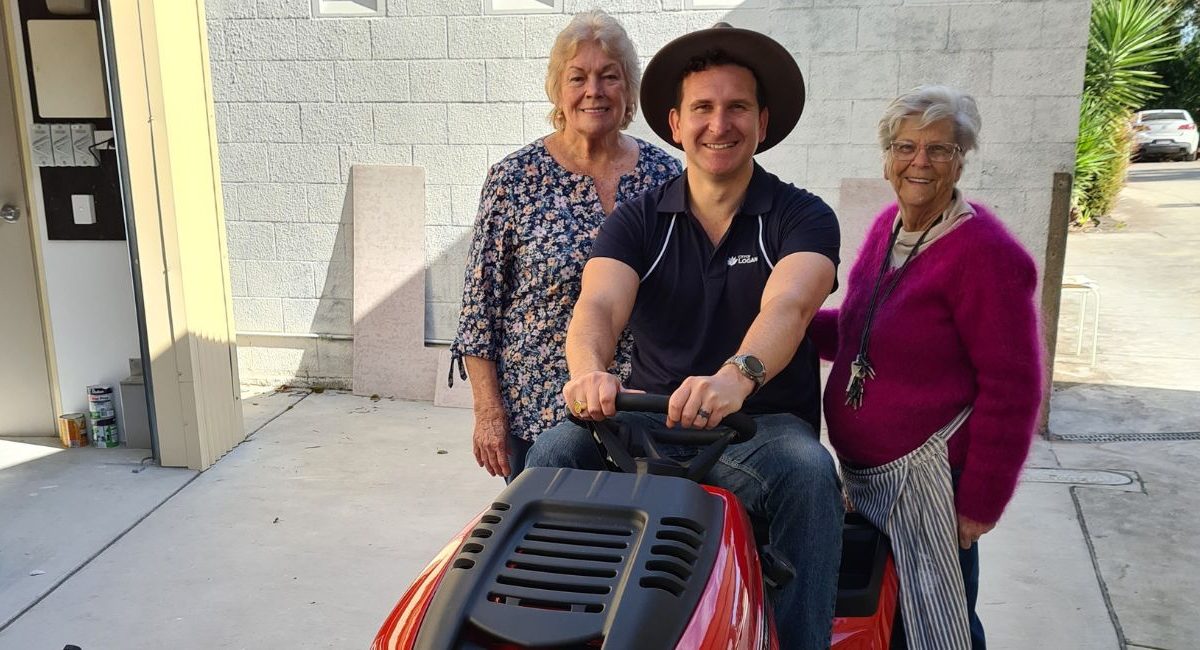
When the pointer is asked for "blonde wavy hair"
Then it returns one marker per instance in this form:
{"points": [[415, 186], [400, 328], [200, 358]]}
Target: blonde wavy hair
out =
{"points": [[600, 28]]}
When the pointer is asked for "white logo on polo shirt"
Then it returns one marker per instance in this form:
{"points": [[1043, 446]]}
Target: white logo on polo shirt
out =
{"points": [[734, 260]]}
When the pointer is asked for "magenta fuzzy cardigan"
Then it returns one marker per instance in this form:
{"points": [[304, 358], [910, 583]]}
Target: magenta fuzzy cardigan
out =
{"points": [[960, 328]]}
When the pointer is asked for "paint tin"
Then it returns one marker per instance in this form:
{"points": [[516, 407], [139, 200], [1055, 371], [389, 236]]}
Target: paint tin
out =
{"points": [[100, 401], [72, 429], [104, 433]]}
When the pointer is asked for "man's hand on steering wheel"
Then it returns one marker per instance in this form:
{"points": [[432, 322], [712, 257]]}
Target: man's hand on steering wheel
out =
{"points": [[702, 402], [593, 395]]}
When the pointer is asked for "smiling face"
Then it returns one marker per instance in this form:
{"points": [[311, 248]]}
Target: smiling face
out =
{"points": [[718, 122], [923, 187], [592, 98]]}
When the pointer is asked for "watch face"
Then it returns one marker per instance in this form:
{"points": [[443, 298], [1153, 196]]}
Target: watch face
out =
{"points": [[754, 365]]}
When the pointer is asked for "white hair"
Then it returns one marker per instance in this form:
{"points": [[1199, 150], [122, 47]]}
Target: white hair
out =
{"points": [[933, 103]]}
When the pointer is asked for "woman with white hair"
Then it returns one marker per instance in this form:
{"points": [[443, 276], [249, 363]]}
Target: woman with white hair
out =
{"points": [[539, 212], [936, 383]]}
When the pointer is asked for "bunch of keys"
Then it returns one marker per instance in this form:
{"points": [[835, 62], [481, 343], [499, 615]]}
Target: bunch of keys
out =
{"points": [[860, 372]]}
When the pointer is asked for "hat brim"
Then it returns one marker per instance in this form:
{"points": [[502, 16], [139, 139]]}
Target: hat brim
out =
{"points": [[772, 64]]}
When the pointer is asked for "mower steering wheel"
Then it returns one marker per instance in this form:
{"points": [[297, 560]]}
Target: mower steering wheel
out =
{"points": [[635, 449], [743, 425]]}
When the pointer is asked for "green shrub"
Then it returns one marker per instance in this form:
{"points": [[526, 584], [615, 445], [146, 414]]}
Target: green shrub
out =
{"points": [[1125, 39]]}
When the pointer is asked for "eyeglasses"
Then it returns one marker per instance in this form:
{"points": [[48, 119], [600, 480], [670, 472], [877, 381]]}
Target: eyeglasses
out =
{"points": [[937, 151]]}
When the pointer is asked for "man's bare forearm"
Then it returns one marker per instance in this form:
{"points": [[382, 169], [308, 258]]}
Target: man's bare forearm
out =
{"points": [[798, 286], [776, 333], [591, 340]]}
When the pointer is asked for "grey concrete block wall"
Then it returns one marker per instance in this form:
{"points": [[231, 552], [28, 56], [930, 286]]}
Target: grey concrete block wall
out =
{"points": [[435, 83]]}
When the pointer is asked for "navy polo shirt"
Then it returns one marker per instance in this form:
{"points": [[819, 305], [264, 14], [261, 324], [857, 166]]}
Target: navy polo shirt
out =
{"points": [[696, 302]]}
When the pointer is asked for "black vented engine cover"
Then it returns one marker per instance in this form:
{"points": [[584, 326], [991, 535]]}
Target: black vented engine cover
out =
{"points": [[575, 559]]}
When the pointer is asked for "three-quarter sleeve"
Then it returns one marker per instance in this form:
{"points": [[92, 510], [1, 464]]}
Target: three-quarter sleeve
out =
{"points": [[488, 274]]}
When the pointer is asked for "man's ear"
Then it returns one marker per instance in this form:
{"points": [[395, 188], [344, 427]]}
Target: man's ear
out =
{"points": [[762, 124], [673, 120]]}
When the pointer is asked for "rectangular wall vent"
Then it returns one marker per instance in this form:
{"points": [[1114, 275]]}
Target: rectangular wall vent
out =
{"points": [[723, 4], [523, 6], [348, 8]]}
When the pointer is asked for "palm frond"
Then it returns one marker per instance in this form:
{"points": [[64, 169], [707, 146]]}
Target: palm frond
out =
{"points": [[1126, 38]]}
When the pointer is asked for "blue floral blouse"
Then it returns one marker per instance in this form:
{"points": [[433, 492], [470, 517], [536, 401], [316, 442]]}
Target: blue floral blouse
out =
{"points": [[534, 232]]}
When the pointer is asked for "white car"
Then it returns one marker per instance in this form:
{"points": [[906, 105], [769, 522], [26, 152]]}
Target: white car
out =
{"points": [[1166, 133]]}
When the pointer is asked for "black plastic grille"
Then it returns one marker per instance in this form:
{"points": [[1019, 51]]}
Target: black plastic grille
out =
{"points": [[673, 555], [576, 559], [563, 566], [477, 540]]}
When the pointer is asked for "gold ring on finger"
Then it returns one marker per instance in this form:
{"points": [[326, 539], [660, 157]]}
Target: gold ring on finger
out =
{"points": [[580, 406]]}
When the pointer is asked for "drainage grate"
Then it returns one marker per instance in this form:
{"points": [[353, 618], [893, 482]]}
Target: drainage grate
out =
{"points": [[1069, 476], [1123, 437]]}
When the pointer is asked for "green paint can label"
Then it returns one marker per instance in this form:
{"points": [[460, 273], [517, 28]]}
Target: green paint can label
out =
{"points": [[104, 433]]}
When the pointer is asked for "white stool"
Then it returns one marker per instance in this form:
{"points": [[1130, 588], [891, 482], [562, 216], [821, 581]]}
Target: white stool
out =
{"points": [[1086, 287]]}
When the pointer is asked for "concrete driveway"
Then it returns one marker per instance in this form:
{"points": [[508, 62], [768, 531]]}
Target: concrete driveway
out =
{"points": [[1146, 264], [1143, 396], [306, 534], [301, 537]]}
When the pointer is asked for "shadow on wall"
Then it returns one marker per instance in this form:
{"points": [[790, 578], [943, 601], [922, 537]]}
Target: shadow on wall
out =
{"points": [[315, 346], [316, 349]]}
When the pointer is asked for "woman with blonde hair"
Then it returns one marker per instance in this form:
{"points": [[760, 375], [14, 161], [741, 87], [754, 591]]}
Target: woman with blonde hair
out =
{"points": [[539, 212]]}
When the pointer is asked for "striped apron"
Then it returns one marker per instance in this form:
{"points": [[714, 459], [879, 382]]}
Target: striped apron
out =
{"points": [[911, 499]]}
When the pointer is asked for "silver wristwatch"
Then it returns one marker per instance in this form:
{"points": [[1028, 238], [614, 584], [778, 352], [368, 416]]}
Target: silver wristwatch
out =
{"points": [[751, 367]]}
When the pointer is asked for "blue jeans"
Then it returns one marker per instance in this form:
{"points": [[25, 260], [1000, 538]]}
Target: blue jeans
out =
{"points": [[783, 476], [968, 560], [518, 448]]}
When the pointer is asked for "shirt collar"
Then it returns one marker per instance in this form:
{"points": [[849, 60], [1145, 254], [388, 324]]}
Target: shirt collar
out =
{"points": [[958, 207], [760, 194]]}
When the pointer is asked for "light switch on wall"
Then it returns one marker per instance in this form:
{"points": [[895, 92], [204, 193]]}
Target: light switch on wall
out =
{"points": [[83, 207]]}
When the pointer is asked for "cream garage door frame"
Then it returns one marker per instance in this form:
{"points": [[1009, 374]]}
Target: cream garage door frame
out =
{"points": [[164, 121], [27, 396]]}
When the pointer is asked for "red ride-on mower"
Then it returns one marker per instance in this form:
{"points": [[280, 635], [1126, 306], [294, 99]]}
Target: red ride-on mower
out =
{"points": [[641, 557]]}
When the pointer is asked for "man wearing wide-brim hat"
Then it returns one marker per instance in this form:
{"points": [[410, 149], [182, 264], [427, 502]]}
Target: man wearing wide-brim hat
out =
{"points": [[718, 273]]}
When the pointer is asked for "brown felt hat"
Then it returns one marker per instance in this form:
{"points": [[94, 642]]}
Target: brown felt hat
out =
{"points": [[773, 67]]}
